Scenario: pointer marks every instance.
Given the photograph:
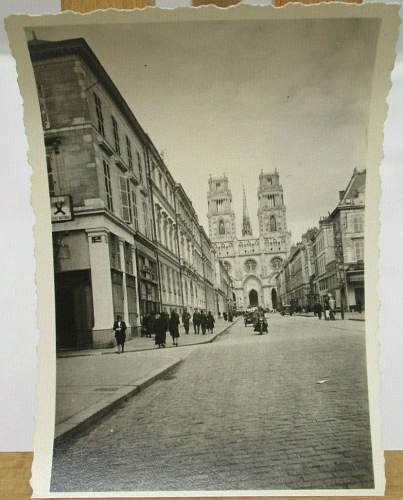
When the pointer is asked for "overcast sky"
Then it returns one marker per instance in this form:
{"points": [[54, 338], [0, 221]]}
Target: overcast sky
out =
{"points": [[239, 97]]}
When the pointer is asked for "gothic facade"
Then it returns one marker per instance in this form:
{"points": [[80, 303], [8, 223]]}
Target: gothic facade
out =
{"points": [[252, 261]]}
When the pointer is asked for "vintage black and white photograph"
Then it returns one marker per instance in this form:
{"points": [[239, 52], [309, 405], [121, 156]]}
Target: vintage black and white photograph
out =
{"points": [[207, 185]]}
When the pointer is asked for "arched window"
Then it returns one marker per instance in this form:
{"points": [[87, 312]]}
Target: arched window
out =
{"points": [[250, 265], [221, 227], [273, 224]]}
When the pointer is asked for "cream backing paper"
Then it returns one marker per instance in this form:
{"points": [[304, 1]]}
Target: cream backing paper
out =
{"points": [[385, 54]]}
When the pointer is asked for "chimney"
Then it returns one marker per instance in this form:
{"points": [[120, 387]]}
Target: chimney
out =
{"points": [[341, 194]]}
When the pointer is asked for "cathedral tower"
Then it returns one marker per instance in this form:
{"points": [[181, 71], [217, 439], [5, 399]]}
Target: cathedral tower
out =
{"points": [[271, 208], [221, 216]]}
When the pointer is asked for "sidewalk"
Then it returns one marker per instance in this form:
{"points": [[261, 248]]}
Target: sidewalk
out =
{"points": [[352, 316], [137, 344], [90, 385]]}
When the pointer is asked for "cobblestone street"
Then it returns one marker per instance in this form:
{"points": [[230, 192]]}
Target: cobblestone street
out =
{"points": [[245, 412]]}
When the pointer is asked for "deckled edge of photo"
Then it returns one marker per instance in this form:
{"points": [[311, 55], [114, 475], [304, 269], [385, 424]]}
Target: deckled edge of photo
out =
{"points": [[46, 349]]}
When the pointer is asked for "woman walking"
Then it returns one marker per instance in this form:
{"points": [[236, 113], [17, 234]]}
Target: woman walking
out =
{"points": [[210, 322], [160, 331], [174, 327]]}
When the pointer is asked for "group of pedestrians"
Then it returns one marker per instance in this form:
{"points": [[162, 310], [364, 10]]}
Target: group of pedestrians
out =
{"points": [[203, 322], [328, 309], [159, 324]]}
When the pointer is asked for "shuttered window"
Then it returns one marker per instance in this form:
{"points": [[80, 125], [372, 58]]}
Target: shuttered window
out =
{"points": [[125, 200]]}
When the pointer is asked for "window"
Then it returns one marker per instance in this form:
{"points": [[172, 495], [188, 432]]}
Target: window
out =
{"points": [[128, 250], [221, 227], [273, 225], [250, 265], [125, 200], [358, 223], [42, 105], [100, 116], [108, 186], [359, 249], [134, 210], [114, 249], [146, 227], [116, 139], [140, 167], [51, 174], [129, 153]]}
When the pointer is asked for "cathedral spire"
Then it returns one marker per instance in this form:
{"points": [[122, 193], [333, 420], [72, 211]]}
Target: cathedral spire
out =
{"points": [[246, 227]]}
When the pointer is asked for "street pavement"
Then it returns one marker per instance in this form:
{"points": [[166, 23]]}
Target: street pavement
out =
{"points": [[88, 384], [287, 410]]}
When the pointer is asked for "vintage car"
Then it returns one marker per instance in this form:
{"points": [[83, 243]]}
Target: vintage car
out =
{"points": [[250, 318], [287, 310]]}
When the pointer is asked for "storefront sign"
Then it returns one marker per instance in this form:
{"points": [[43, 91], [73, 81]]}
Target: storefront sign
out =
{"points": [[61, 208]]}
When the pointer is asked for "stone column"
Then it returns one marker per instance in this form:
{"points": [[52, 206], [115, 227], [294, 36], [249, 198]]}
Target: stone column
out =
{"points": [[101, 284], [123, 268]]}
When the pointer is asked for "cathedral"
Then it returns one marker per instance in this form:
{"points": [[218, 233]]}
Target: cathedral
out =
{"points": [[252, 261]]}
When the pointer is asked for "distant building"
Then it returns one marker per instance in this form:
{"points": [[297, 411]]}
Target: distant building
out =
{"points": [[163, 193], [224, 294], [252, 261], [324, 260], [329, 261]]}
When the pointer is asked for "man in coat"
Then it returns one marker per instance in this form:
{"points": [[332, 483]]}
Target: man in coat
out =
{"points": [[119, 327], [185, 321], [196, 321]]}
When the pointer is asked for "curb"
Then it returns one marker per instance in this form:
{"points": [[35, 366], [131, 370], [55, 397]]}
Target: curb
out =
{"points": [[85, 418]]}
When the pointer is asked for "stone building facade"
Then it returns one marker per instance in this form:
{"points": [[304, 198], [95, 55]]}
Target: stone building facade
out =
{"points": [[348, 219], [329, 261], [126, 238], [252, 261]]}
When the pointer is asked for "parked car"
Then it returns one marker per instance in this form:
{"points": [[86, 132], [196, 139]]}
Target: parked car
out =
{"points": [[287, 310]]}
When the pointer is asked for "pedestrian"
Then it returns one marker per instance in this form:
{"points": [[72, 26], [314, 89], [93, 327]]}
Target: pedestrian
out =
{"points": [[174, 327], [210, 322], [319, 310], [160, 330], [196, 321], [225, 316], [147, 325], [119, 327], [165, 317], [203, 322], [185, 321], [332, 307], [326, 307]]}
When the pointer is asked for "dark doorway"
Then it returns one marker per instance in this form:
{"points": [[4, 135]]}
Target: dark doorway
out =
{"points": [[274, 298], [253, 298], [359, 299], [74, 311]]}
